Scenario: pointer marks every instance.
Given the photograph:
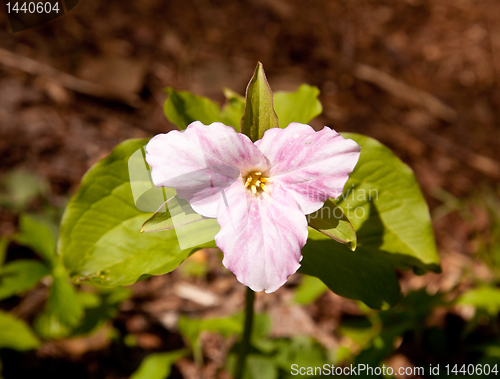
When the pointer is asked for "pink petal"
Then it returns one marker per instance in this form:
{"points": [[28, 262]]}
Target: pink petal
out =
{"points": [[261, 237], [201, 161], [312, 166]]}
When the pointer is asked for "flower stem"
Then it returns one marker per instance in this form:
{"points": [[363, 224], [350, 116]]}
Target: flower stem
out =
{"points": [[245, 343]]}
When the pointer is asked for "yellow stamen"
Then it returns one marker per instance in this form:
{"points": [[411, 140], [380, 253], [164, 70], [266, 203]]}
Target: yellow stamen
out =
{"points": [[255, 183], [249, 180]]}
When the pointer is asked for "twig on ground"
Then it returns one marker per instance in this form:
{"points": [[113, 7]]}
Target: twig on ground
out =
{"points": [[486, 165], [30, 66], [198, 295], [406, 92]]}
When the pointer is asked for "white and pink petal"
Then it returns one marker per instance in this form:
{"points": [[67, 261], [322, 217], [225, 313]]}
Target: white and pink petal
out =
{"points": [[201, 161], [261, 236], [312, 166]]}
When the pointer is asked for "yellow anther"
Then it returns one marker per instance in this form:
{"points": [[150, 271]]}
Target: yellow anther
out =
{"points": [[249, 180], [255, 182]]}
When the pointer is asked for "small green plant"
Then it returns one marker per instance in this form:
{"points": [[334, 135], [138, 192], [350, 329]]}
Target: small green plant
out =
{"points": [[67, 312], [276, 195]]}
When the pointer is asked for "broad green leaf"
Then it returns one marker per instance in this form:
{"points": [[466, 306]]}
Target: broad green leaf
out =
{"points": [[366, 275], [100, 239], [260, 367], [299, 106], [20, 275], [233, 110], [301, 351], [259, 112], [4, 243], [63, 301], [173, 213], [62, 312], [48, 326], [257, 366], [332, 222], [99, 308], [485, 298], [157, 365], [391, 324], [147, 197], [182, 108], [385, 206], [191, 328], [36, 235], [383, 201], [16, 334], [361, 330], [309, 290], [21, 187]]}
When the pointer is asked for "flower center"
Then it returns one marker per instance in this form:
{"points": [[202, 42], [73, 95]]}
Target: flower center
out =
{"points": [[255, 182]]}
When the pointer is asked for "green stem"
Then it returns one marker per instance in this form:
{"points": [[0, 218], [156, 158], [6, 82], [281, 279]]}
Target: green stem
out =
{"points": [[245, 343]]}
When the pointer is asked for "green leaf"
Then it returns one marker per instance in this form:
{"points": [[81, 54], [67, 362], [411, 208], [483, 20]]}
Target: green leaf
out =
{"points": [[485, 298], [191, 328], [19, 276], [233, 110], [100, 239], [16, 334], [173, 213], [157, 365], [4, 243], [259, 112], [182, 108], [257, 366], [147, 197], [332, 222], [299, 106], [383, 201], [62, 312], [385, 206], [309, 290], [302, 351], [99, 308], [363, 274], [21, 188], [63, 301], [385, 327], [260, 367], [36, 235]]}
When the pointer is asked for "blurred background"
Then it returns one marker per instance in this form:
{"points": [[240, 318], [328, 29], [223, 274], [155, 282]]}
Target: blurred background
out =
{"points": [[420, 76]]}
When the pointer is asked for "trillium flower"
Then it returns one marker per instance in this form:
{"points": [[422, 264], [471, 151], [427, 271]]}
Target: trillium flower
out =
{"points": [[260, 193]]}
